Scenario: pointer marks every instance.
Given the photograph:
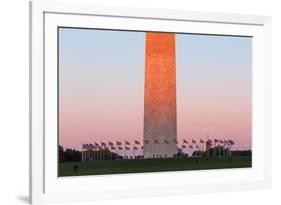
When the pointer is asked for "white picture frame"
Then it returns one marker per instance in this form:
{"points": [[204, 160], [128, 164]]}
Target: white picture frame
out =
{"points": [[46, 187]]}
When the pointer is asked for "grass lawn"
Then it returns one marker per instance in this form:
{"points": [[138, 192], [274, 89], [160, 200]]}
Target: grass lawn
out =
{"points": [[151, 165]]}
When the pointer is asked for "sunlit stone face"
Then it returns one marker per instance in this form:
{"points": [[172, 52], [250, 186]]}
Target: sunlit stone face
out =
{"points": [[160, 126]]}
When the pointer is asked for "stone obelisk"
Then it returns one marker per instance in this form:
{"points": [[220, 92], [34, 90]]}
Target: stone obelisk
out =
{"points": [[160, 116]]}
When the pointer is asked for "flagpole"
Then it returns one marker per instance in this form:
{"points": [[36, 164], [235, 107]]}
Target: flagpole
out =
{"points": [[224, 149], [214, 150], [219, 155], [90, 152], [202, 147], [125, 149], [116, 152], [133, 152], [82, 152], [100, 148], [107, 152], [102, 153], [153, 148]]}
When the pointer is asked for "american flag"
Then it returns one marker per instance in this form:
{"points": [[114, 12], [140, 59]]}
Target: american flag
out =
{"points": [[209, 143], [137, 142], [231, 142]]}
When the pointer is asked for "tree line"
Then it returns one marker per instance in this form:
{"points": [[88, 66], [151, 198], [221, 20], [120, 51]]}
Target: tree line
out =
{"points": [[72, 155], [69, 155]]}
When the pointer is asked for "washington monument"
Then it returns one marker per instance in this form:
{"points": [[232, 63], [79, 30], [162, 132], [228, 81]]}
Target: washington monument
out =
{"points": [[160, 114]]}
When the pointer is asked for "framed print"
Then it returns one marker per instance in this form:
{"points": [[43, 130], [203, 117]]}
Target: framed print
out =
{"points": [[129, 102]]}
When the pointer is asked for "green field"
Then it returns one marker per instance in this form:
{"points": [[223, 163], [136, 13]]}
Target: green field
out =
{"points": [[151, 165]]}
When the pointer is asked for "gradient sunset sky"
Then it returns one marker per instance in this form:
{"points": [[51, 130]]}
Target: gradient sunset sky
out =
{"points": [[101, 87]]}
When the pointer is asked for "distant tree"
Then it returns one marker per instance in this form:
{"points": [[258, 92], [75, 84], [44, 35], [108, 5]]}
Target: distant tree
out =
{"points": [[72, 155], [222, 151], [69, 155], [61, 154], [198, 153], [242, 153], [180, 154]]}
